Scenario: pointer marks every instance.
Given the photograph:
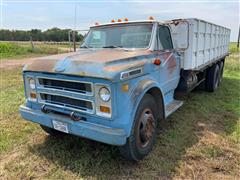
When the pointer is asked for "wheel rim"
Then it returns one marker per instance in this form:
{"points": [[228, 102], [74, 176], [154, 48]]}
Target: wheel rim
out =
{"points": [[216, 79], [146, 127], [221, 73]]}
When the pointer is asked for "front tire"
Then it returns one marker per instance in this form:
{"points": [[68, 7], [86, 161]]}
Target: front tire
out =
{"points": [[143, 133]]}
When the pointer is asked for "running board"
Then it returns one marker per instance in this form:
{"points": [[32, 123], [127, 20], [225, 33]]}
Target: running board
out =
{"points": [[172, 107]]}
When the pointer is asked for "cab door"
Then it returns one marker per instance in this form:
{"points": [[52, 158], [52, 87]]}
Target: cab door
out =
{"points": [[170, 60]]}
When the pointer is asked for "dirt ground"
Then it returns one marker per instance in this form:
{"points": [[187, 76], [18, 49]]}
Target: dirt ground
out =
{"points": [[14, 63]]}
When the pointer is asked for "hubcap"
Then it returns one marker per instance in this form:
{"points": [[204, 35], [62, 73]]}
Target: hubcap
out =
{"points": [[147, 127]]}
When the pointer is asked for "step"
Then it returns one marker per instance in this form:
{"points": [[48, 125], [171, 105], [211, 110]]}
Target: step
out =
{"points": [[172, 107]]}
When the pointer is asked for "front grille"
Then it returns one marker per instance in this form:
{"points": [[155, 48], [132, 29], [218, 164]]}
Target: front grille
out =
{"points": [[66, 93], [67, 102], [66, 85]]}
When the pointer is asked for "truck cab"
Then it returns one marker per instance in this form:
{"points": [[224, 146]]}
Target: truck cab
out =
{"points": [[114, 89]]}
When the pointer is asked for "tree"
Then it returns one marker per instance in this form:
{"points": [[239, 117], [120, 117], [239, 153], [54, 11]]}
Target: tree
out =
{"points": [[54, 34]]}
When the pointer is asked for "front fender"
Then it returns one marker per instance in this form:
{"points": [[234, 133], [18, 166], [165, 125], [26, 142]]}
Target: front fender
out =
{"points": [[139, 91]]}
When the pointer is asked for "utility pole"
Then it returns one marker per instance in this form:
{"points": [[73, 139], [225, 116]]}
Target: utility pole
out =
{"points": [[74, 30], [238, 37], [74, 40], [31, 42]]}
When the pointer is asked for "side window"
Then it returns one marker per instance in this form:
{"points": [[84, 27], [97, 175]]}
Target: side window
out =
{"points": [[164, 38]]}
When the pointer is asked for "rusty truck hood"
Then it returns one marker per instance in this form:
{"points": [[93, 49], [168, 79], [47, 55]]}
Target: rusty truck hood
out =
{"points": [[102, 63]]}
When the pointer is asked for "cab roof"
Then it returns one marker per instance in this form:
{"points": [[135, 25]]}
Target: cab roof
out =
{"points": [[127, 22]]}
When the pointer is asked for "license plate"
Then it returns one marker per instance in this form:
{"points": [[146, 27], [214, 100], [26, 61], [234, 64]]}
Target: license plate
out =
{"points": [[60, 126]]}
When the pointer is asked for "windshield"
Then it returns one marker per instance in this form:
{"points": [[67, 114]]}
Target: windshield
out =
{"points": [[122, 36]]}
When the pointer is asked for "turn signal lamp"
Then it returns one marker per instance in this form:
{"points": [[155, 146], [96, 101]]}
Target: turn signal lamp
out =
{"points": [[33, 95], [157, 61], [105, 109], [151, 18], [125, 87]]}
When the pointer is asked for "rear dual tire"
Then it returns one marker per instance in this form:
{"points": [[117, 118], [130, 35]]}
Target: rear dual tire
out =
{"points": [[221, 66], [214, 77]]}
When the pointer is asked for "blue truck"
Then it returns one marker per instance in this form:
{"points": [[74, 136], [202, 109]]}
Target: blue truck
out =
{"points": [[124, 79]]}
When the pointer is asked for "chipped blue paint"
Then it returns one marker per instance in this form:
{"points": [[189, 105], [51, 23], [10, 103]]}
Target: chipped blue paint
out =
{"points": [[62, 65]]}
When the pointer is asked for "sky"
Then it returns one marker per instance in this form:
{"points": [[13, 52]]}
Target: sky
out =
{"points": [[45, 14]]}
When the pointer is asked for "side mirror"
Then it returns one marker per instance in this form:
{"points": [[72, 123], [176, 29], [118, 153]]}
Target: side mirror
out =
{"points": [[180, 35]]}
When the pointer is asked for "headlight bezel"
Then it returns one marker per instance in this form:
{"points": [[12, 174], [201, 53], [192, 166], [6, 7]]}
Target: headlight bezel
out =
{"points": [[30, 87], [101, 96], [99, 102]]}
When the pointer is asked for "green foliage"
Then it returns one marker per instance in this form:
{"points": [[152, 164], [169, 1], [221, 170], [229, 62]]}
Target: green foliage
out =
{"points": [[14, 35], [10, 50], [233, 47], [54, 34]]}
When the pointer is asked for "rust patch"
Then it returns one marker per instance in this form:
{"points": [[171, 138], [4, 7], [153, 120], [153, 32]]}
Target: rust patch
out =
{"points": [[165, 55], [41, 65], [169, 60], [119, 67], [172, 63], [106, 55], [48, 63], [140, 88]]}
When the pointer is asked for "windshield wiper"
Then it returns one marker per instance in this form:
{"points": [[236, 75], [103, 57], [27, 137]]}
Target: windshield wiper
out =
{"points": [[112, 46], [85, 46]]}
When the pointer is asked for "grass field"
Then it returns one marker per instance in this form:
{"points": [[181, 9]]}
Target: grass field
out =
{"points": [[200, 141], [24, 49]]}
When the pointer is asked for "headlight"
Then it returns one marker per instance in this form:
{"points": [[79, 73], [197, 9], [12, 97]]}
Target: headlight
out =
{"points": [[31, 83], [104, 94]]}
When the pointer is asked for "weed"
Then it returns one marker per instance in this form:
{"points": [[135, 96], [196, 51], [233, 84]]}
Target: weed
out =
{"points": [[18, 50], [200, 140]]}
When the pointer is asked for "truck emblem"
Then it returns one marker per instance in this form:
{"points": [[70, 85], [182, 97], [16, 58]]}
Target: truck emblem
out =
{"points": [[130, 73]]}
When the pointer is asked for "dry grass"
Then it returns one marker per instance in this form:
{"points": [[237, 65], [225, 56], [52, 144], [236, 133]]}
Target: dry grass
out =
{"points": [[199, 141]]}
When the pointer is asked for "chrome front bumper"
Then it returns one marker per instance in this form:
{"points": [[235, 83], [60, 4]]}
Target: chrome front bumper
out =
{"points": [[85, 129]]}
